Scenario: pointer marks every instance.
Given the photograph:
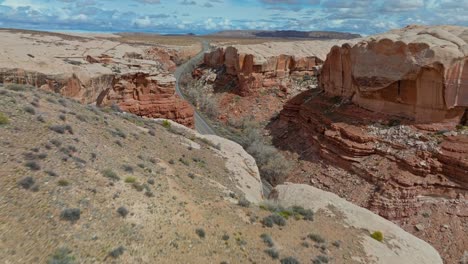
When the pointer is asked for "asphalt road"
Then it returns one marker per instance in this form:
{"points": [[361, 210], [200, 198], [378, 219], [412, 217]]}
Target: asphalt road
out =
{"points": [[201, 125]]}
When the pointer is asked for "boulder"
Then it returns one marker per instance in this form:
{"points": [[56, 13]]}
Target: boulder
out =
{"points": [[398, 246]]}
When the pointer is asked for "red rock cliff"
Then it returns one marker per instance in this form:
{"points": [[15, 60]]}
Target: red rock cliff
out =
{"points": [[253, 73], [417, 72]]}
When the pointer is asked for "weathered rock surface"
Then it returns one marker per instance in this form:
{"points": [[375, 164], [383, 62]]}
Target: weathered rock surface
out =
{"points": [[91, 70], [398, 246], [417, 72], [253, 73], [399, 169], [148, 95], [242, 166]]}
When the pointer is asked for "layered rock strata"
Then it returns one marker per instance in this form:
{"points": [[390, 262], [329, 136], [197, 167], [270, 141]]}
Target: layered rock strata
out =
{"points": [[253, 73], [417, 72]]}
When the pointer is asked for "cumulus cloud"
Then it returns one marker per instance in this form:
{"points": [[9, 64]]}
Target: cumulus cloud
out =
{"points": [[201, 16]]}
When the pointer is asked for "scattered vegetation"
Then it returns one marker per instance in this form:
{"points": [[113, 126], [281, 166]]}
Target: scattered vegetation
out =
{"points": [[127, 168], [122, 211], [61, 129], [26, 182], [166, 124], [3, 119], [200, 232], [273, 219], [316, 238], [32, 165], [320, 259], [243, 202], [19, 87], [29, 110], [63, 183], [267, 240], [377, 235], [70, 214], [62, 256], [289, 260], [130, 179], [117, 252], [272, 252], [108, 173]]}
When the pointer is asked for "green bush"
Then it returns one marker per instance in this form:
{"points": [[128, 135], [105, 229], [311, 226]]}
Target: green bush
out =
{"points": [[3, 119], [19, 87], [166, 124], [108, 173], [61, 256], [130, 179], [377, 235], [317, 238]]}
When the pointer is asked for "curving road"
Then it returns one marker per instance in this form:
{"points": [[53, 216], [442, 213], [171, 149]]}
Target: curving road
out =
{"points": [[201, 125]]}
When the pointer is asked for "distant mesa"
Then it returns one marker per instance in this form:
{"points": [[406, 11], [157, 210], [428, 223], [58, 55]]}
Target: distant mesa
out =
{"points": [[316, 35]]}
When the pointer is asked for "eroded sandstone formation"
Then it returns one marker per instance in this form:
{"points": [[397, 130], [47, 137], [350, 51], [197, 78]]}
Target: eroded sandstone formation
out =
{"points": [[138, 79], [253, 73], [150, 96], [417, 72]]}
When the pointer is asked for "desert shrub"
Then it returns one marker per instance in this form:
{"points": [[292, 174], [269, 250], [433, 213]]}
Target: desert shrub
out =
{"points": [[200, 232], [191, 175], [337, 243], [137, 186], [127, 168], [225, 237], [317, 238], [29, 110], [394, 122], [61, 129], [32, 165], [63, 183], [51, 173], [108, 173], [119, 143], [70, 214], [117, 252], [243, 202], [307, 214], [130, 179], [152, 132], [62, 117], [62, 256], [267, 240], [3, 119], [320, 259], [289, 260], [122, 211], [151, 181], [377, 235], [273, 219], [19, 87], [272, 252], [184, 161], [26, 182], [166, 124], [56, 142], [171, 161]]}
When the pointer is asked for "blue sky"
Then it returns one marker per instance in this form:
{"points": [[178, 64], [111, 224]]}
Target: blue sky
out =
{"points": [[203, 16]]}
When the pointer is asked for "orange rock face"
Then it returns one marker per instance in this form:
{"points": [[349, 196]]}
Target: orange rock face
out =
{"points": [[149, 96], [417, 72], [253, 75]]}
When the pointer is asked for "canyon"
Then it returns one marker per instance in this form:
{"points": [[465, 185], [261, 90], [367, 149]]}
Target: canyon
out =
{"points": [[383, 123], [380, 121], [98, 70]]}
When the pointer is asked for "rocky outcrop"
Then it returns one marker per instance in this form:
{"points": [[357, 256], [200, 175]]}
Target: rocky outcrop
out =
{"points": [[398, 246], [137, 78], [417, 72], [148, 95], [253, 73]]}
